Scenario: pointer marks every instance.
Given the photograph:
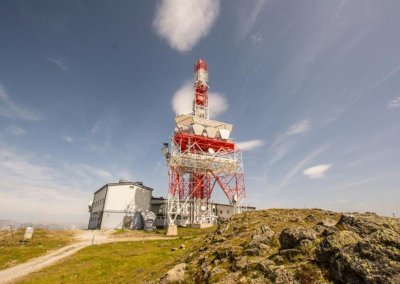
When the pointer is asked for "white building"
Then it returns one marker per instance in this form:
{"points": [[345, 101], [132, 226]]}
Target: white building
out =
{"points": [[118, 205]]}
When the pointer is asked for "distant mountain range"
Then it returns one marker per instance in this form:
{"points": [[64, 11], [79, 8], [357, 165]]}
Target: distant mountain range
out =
{"points": [[5, 225]]}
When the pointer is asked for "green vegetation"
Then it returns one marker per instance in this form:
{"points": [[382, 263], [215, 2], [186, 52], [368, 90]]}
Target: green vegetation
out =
{"points": [[14, 251], [121, 262], [189, 232]]}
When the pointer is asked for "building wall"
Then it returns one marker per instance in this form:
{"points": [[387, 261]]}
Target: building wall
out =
{"points": [[114, 202], [112, 220], [97, 208], [143, 199], [119, 197], [224, 211]]}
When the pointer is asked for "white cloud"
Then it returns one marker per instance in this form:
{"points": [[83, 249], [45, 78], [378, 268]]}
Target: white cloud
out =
{"points": [[68, 139], [394, 103], [10, 109], [32, 186], [184, 22], [60, 63], [217, 104], [317, 171], [250, 145], [182, 101], [299, 127], [16, 130]]}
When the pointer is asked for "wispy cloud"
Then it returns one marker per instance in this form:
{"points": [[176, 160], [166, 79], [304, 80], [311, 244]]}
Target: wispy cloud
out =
{"points": [[100, 136], [184, 22], [13, 110], [386, 76], [250, 19], [68, 139], [182, 101], [283, 142], [256, 38], [59, 63], [317, 171], [299, 127], [88, 172], [45, 189], [30, 188], [16, 130], [366, 181], [394, 103], [300, 165], [250, 145], [366, 88]]}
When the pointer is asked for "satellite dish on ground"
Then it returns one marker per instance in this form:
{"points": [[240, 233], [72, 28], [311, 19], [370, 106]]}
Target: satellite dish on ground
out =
{"points": [[235, 199]]}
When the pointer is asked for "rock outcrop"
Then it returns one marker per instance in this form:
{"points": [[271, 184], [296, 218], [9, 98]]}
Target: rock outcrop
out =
{"points": [[175, 275], [298, 246]]}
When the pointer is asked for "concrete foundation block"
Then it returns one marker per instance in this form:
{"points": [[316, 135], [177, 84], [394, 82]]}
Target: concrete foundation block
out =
{"points": [[172, 230]]}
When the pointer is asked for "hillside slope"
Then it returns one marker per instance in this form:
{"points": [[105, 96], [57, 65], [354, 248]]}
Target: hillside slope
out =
{"points": [[298, 246]]}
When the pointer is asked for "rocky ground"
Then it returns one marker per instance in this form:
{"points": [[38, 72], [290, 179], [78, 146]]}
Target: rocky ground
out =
{"points": [[296, 246]]}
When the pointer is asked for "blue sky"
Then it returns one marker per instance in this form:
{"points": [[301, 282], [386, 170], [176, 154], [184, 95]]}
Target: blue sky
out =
{"points": [[89, 90]]}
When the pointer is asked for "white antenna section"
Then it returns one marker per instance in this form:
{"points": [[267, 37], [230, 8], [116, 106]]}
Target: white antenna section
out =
{"points": [[211, 132], [224, 133], [198, 129]]}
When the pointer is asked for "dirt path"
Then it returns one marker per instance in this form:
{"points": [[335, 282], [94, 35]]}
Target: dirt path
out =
{"points": [[84, 239]]}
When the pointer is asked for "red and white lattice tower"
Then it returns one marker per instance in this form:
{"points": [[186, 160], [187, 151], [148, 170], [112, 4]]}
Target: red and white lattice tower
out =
{"points": [[201, 157]]}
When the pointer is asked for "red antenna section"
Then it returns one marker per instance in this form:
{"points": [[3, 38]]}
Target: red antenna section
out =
{"points": [[200, 104]]}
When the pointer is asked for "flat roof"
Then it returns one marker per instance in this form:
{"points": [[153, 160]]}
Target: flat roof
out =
{"points": [[139, 184]]}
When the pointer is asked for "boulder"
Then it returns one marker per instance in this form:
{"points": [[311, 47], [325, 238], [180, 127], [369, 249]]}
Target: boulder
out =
{"points": [[364, 225], [282, 276], [175, 275], [334, 243], [353, 259], [310, 218], [327, 222], [290, 254], [291, 237]]}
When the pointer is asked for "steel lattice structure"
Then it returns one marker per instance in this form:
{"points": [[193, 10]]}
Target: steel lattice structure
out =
{"points": [[200, 158]]}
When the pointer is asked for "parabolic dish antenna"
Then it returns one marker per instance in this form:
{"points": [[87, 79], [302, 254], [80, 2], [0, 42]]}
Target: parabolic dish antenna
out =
{"points": [[235, 198]]}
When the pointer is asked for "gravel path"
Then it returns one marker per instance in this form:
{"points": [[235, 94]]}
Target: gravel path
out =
{"points": [[84, 239]]}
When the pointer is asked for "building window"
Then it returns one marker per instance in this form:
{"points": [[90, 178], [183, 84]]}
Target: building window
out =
{"points": [[220, 212], [227, 211]]}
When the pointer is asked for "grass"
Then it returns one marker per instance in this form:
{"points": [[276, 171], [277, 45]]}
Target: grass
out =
{"points": [[121, 262], [13, 251]]}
